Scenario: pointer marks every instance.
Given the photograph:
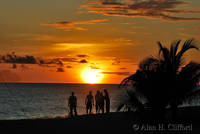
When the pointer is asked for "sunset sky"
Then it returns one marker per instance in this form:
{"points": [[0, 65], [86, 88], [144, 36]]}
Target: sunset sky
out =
{"points": [[68, 40]]}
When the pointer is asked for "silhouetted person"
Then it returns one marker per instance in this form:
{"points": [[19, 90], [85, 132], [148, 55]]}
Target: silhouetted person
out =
{"points": [[101, 102], [97, 100], [89, 101], [107, 100], [72, 103]]}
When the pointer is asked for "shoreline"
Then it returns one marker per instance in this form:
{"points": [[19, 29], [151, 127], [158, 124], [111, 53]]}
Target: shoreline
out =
{"points": [[60, 83]]}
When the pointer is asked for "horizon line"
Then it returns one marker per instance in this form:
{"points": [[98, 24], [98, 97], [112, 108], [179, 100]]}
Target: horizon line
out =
{"points": [[58, 83]]}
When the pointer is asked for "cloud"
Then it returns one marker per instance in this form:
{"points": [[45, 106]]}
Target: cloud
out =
{"points": [[74, 60], [120, 41], [69, 59], [68, 66], [82, 55], [44, 62], [83, 61], [156, 9], [117, 73], [12, 58], [60, 69], [122, 68], [67, 25], [58, 63], [27, 59]]}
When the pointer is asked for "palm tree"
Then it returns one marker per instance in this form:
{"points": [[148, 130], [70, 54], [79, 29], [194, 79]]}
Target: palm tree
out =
{"points": [[164, 80]]}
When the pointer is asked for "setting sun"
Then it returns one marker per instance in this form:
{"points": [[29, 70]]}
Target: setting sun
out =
{"points": [[91, 75]]}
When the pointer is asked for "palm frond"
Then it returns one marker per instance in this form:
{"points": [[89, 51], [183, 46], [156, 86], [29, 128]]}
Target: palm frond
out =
{"points": [[190, 70], [162, 81], [160, 46], [164, 52], [174, 48], [188, 44]]}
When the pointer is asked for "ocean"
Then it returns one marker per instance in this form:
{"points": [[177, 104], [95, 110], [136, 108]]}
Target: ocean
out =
{"points": [[32, 101]]}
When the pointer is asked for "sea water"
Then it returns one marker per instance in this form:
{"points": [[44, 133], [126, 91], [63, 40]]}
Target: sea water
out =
{"points": [[30, 101]]}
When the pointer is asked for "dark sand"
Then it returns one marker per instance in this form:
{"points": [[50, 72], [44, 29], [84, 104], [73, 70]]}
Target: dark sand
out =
{"points": [[106, 123]]}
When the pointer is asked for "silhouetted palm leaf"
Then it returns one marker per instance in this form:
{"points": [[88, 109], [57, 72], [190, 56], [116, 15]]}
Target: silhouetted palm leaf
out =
{"points": [[162, 80]]}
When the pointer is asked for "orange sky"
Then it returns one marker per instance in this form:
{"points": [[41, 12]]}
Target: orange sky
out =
{"points": [[110, 37]]}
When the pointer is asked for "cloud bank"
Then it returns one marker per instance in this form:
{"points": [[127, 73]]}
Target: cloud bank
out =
{"points": [[155, 9], [68, 26], [12, 58], [27, 59]]}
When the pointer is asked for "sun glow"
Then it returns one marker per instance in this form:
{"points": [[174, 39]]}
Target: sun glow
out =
{"points": [[92, 76]]}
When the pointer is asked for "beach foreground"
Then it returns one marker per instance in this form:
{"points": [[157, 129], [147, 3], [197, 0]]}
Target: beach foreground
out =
{"points": [[188, 121]]}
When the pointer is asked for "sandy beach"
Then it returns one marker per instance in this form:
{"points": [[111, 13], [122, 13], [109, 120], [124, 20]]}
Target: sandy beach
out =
{"points": [[121, 122]]}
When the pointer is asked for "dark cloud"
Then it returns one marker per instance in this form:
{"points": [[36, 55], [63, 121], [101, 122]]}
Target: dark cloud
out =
{"points": [[122, 68], [83, 61], [68, 66], [156, 9], [12, 58], [27, 59], [66, 25], [117, 73], [82, 55], [23, 60], [60, 63], [60, 69]]}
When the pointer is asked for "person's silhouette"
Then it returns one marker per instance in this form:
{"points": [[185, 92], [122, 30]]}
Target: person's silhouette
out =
{"points": [[89, 101], [72, 103], [107, 99], [97, 100], [101, 102]]}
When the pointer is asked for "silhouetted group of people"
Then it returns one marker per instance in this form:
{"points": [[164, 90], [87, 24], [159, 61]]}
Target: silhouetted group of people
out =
{"points": [[100, 101]]}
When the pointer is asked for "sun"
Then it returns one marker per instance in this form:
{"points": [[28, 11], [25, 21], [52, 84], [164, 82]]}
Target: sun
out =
{"points": [[92, 76]]}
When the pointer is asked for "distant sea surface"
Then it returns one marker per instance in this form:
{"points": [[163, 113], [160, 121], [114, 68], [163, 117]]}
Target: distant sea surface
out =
{"points": [[30, 101]]}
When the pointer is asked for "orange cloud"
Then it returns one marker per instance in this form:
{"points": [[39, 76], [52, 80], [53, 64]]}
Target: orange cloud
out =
{"points": [[66, 25], [117, 73], [156, 9], [60, 69]]}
